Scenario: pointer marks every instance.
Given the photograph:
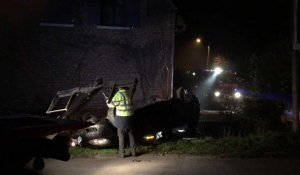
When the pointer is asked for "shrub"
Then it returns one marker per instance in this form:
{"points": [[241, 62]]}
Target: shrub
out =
{"points": [[258, 116]]}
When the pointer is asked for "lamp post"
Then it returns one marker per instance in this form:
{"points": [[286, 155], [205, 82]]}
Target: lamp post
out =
{"points": [[198, 41], [296, 48], [208, 52]]}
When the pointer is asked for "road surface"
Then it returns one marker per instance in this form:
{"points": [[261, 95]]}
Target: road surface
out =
{"points": [[149, 164]]}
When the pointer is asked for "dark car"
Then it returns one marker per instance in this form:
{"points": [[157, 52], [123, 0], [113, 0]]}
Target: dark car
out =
{"points": [[159, 117], [164, 116], [152, 122], [26, 136]]}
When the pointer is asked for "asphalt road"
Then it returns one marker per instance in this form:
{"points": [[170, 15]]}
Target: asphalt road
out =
{"points": [[169, 165]]}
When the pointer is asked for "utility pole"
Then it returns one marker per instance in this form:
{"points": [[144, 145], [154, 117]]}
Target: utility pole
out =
{"points": [[295, 103], [208, 54]]}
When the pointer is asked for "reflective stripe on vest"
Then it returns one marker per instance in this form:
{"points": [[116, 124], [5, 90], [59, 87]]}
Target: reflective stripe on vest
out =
{"points": [[123, 104]]}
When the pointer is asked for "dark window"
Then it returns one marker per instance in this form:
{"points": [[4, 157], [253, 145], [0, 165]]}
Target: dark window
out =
{"points": [[133, 13], [120, 13], [113, 13], [58, 12], [93, 12]]}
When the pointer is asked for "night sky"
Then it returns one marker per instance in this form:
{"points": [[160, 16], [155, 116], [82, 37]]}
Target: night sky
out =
{"points": [[233, 29]]}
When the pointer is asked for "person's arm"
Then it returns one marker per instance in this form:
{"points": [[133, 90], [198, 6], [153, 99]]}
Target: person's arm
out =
{"points": [[115, 101]]}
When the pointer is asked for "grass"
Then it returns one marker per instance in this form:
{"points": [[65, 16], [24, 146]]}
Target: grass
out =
{"points": [[268, 144], [90, 152]]}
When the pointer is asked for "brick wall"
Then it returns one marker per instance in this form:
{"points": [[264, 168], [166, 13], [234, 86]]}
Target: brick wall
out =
{"points": [[56, 58]]}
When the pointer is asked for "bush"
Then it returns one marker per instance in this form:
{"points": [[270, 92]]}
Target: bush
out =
{"points": [[257, 116]]}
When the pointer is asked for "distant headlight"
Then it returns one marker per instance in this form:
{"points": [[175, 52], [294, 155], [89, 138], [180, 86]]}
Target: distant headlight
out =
{"points": [[217, 94], [218, 70], [237, 95]]}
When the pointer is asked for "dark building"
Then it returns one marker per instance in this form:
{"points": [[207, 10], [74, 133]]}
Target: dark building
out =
{"points": [[52, 45]]}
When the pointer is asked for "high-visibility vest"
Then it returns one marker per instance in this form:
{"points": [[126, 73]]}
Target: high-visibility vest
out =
{"points": [[122, 103]]}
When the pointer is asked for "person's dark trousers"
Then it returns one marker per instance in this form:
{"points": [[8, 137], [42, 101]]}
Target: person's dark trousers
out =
{"points": [[132, 142], [121, 135], [121, 142]]}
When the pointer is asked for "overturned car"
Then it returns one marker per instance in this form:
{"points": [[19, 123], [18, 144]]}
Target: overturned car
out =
{"points": [[151, 122]]}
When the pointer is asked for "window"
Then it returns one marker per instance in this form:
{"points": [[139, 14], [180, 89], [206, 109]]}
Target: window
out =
{"points": [[58, 13], [103, 13], [113, 13]]}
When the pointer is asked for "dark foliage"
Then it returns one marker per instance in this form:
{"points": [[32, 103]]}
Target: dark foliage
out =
{"points": [[255, 117]]}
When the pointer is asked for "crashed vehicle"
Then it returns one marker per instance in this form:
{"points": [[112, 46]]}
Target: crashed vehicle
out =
{"points": [[69, 104], [25, 137], [152, 122], [162, 119]]}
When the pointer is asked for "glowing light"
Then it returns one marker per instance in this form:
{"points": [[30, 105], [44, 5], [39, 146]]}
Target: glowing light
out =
{"points": [[194, 73], [99, 142], [217, 93], [181, 130], [198, 40], [218, 70], [73, 144], [237, 95], [149, 137]]}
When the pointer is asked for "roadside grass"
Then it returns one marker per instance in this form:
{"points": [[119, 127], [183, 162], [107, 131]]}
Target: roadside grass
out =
{"points": [[263, 145], [90, 152]]}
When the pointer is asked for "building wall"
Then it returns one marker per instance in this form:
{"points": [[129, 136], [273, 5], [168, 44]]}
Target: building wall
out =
{"points": [[49, 59]]}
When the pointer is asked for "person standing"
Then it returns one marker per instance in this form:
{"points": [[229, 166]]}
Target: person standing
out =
{"points": [[123, 119]]}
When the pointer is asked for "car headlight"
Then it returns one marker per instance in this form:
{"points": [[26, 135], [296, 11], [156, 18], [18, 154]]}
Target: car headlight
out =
{"points": [[149, 137], [217, 93], [73, 143], [237, 95], [218, 70]]}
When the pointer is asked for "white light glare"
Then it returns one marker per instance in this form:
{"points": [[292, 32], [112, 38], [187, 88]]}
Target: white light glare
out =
{"points": [[181, 130], [99, 142], [218, 70], [73, 144], [237, 95], [217, 93]]}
